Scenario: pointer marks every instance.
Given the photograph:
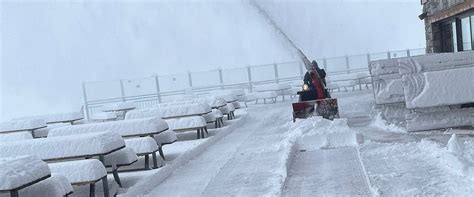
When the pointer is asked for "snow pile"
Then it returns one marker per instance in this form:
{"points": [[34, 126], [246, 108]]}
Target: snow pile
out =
{"points": [[321, 133], [186, 122], [65, 146], [80, 171], [26, 124], [132, 127], [18, 171], [8, 137], [53, 118], [379, 122], [119, 106]]}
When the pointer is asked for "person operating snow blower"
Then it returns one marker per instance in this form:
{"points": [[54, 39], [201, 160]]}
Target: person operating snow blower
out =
{"points": [[312, 80]]}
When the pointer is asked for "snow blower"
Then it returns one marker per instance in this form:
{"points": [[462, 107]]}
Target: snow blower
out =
{"points": [[307, 106], [314, 103]]}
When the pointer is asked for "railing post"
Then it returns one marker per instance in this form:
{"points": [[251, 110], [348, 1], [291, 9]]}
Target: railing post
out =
{"points": [[84, 96], [348, 67], [368, 61], [221, 79], [325, 64], [388, 55], [122, 90], [408, 53], [275, 68], [157, 83], [249, 75], [301, 70], [190, 79]]}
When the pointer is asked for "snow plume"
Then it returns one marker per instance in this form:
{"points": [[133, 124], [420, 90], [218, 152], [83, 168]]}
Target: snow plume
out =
{"points": [[317, 133], [379, 122]]}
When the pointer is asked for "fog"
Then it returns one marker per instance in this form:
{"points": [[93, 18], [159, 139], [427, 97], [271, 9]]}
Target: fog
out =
{"points": [[48, 48]]}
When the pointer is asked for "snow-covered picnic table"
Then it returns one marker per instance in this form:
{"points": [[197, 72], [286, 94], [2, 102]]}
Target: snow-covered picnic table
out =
{"points": [[120, 109], [20, 172], [70, 117], [22, 125]]}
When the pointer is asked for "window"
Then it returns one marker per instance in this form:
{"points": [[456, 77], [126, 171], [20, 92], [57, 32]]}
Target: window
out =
{"points": [[455, 36], [466, 34]]}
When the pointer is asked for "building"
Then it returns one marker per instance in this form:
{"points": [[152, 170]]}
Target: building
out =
{"points": [[449, 25]]}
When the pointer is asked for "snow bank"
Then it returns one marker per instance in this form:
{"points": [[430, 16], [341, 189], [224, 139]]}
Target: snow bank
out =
{"points": [[26, 124], [53, 118], [379, 122], [18, 171], [80, 171], [321, 133], [8, 137], [132, 127], [65, 146], [147, 184]]}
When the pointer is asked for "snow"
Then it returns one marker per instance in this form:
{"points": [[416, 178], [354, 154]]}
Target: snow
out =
{"points": [[424, 89], [217, 113], [143, 113], [142, 145], [266, 95], [21, 170], [16, 125], [55, 186], [8, 137], [272, 87], [103, 116], [80, 171], [443, 118], [119, 106], [209, 117], [172, 110], [64, 146], [124, 156], [186, 122], [130, 127], [166, 137], [382, 124], [454, 145], [59, 117]]}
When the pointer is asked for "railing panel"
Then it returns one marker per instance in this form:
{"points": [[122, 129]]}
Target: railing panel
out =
{"points": [[263, 72], [398, 54], [358, 62], [173, 82], [235, 76], [142, 86], [205, 78], [336, 64], [378, 56], [103, 90], [416, 52], [287, 70]]}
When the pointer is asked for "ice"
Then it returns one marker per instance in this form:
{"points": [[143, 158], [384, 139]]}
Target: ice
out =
{"points": [[20, 170], [27, 124], [439, 88], [65, 146], [186, 122], [54, 118], [80, 171], [8, 137], [130, 127]]}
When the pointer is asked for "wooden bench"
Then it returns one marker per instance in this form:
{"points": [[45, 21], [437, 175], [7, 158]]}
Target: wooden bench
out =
{"points": [[66, 148]]}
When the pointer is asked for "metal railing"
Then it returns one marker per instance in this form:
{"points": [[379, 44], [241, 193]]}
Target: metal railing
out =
{"points": [[148, 91]]}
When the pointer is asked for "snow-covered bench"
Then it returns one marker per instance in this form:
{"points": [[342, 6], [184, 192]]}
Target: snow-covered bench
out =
{"points": [[145, 146], [30, 125], [190, 123], [56, 185], [228, 110], [69, 117], [103, 116], [8, 137], [350, 80], [271, 91], [272, 95], [67, 148], [20, 172], [247, 98], [120, 109], [436, 87]]}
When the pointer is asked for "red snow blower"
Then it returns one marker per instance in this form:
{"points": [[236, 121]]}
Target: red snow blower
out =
{"points": [[314, 103]]}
